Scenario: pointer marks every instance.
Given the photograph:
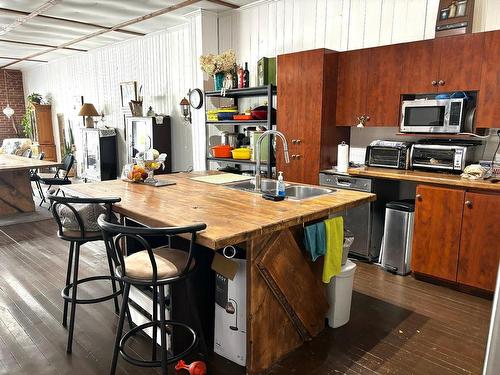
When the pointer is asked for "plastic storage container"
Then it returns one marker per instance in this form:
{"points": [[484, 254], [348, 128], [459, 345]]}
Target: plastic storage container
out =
{"points": [[339, 294], [221, 151], [242, 153]]}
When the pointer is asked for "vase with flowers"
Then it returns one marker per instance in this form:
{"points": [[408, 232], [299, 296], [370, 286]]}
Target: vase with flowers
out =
{"points": [[218, 65]]}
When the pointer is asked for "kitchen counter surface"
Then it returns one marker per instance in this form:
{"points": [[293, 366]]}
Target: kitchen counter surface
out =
{"points": [[232, 216], [9, 163], [424, 177]]}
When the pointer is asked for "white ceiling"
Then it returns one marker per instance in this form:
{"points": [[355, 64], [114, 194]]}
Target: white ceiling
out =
{"points": [[41, 30]]}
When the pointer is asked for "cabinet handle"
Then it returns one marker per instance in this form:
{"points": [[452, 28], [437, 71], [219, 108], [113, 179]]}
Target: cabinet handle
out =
{"points": [[434, 83], [367, 118], [297, 156], [468, 204], [419, 197], [298, 141], [441, 82], [294, 157]]}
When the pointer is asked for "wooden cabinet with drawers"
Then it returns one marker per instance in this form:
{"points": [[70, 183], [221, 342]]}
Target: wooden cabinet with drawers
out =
{"points": [[455, 236]]}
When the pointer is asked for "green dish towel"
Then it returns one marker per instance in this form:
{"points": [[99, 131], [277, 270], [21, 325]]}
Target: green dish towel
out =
{"points": [[314, 240], [334, 229]]}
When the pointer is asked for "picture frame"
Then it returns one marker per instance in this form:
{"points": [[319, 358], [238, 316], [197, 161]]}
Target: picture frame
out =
{"points": [[128, 92]]}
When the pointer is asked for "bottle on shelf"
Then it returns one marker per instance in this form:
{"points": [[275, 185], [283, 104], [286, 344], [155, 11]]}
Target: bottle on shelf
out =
{"points": [[234, 73], [241, 78], [246, 76]]}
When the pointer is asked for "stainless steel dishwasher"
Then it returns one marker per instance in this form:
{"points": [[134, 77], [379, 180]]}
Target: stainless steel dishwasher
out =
{"points": [[366, 222]]}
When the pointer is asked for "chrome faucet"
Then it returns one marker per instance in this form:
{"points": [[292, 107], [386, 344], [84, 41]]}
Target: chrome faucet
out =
{"points": [[257, 154]]}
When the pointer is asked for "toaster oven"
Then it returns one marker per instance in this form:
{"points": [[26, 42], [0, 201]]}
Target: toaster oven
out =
{"points": [[445, 156], [388, 154]]}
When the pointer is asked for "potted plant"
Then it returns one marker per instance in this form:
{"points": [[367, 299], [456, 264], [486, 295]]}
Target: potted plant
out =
{"points": [[26, 121], [217, 65]]}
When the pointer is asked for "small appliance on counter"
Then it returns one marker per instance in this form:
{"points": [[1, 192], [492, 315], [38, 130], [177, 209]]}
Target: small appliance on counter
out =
{"points": [[445, 155], [444, 113], [388, 154]]}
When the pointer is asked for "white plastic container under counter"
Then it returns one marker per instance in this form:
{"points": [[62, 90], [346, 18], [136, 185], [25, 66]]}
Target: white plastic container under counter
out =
{"points": [[339, 295]]}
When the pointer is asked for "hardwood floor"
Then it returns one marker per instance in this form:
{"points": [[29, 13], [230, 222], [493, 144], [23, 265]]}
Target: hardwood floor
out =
{"points": [[398, 325]]}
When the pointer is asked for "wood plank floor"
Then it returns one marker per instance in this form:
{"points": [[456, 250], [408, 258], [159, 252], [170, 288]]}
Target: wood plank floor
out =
{"points": [[398, 325]]}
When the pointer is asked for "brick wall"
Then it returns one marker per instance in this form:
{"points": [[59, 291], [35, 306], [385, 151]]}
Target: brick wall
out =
{"points": [[13, 83]]}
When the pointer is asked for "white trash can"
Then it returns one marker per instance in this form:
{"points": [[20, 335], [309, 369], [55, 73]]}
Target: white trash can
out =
{"points": [[339, 294]]}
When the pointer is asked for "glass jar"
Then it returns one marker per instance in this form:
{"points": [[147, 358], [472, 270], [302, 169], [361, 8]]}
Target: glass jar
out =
{"points": [[461, 8], [443, 14]]}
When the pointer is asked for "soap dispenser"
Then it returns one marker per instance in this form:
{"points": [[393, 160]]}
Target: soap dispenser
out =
{"points": [[280, 185]]}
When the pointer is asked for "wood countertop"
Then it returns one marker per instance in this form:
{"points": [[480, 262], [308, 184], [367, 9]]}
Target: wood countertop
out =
{"points": [[424, 177], [9, 163], [232, 216]]}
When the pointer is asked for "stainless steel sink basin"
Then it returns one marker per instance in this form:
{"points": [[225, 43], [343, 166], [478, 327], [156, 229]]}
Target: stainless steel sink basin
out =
{"points": [[300, 192], [292, 191], [267, 185]]}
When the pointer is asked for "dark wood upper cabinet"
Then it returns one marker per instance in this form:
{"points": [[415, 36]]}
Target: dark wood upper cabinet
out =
{"points": [[489, 92], [460, 62], [420, 67], [307, 91], [479, 244], [384, 85], [436, 233], [351, 86]]}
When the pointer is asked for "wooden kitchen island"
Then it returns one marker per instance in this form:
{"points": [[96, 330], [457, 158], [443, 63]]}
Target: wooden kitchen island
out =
{"points": [[269, 231], [15, 185]]}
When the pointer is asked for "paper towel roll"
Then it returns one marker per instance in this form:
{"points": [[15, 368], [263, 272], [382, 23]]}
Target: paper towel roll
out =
{"points": [[343, 157]]}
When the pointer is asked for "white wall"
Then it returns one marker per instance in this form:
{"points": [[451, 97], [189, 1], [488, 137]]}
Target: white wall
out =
{"points": [[162, 62], [270, 28]]}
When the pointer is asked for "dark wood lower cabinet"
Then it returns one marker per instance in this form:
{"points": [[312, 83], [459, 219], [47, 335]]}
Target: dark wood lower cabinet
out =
{"points": [[455, 236], [480, 242], [436, 234]]}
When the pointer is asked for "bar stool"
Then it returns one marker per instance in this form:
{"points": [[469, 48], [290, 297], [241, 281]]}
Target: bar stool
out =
{"points": [[77, 224], [154, 268]]}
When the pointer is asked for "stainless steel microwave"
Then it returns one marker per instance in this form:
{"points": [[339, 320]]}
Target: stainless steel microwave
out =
{"points": [[434, 116]]}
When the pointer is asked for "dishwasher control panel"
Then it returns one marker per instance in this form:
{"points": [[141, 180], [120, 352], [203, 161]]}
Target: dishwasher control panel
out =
{"points": [[345, 182]]}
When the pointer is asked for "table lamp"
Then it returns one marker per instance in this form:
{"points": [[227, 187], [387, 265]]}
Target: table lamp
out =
{"points": [[89, 111]]}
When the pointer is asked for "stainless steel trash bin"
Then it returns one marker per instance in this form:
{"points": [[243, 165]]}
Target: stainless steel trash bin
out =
{"points": [[398, 236]]}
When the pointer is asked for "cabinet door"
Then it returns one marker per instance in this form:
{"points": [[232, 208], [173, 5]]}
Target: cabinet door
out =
{"points": [[420, 67], [384, 85], [480, 243], [436, 232], [489, 91], [300, 87], [351, 86], [49, 151], [44, 124], [461, 57]]}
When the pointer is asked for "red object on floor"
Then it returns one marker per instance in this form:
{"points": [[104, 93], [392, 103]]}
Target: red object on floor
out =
{"points": [[195, 368]]}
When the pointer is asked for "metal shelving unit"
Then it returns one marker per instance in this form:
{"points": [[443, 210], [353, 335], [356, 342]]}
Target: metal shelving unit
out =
{"points": [[268, 91]]}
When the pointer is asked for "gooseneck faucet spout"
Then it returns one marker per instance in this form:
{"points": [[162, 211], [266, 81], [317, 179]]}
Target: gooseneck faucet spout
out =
{"points": [[257, 154]]}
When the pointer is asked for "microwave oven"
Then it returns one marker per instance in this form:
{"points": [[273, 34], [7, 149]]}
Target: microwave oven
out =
{"points": [[453, 115]]}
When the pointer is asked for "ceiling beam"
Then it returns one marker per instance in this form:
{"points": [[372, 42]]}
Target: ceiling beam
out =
{"points": [[40, 45], [21, 59], [4, 29], [20, 12], [224, 3], [133, 21]]}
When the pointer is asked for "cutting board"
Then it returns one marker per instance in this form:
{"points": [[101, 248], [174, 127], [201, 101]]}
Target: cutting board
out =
{"points": [[298, 289], [222, 178]]}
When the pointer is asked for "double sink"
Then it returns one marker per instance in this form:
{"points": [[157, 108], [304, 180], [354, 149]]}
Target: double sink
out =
{"points": [[292, 191]]}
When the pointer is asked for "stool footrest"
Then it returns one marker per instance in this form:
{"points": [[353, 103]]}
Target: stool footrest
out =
{"points": [[141, 363], [66, 295]]}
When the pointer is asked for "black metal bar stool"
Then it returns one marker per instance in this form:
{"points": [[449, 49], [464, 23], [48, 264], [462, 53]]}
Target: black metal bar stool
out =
{"points": [[154, 268], [69, 213]]}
